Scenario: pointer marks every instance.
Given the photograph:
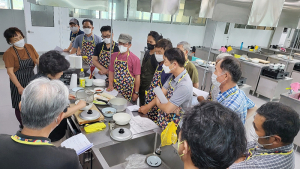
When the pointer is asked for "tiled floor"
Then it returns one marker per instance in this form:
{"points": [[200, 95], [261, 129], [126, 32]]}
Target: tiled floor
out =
{"points": [[9, 123]]}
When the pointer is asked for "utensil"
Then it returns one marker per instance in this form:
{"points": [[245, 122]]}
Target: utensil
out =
{"points": [[92, 70], [121, 134], [122, 118], [109, 111], [153, 161], [119, 104], [90, 115], [87, 107]]}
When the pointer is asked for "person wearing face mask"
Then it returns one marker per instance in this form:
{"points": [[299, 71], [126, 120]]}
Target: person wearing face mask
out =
{"points": [[75, 31], [276, 126], [227, 73], [84, 44], [149, 64], [101, 58], [51, 66], [189, 66], [159, 79], [20, 60], [178, 89], [210, 137], [43, 105], [125, 70]]}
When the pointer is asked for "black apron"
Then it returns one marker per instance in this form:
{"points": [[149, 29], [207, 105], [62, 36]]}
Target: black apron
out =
{"points": [[23, 75], [147, 72]]}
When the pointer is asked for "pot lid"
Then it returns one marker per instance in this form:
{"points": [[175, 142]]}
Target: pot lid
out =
{"points": [[90, 115], [121, 134]]}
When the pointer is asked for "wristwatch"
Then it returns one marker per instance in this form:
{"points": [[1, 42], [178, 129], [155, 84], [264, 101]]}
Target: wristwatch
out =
{"points": [[137, 93]]}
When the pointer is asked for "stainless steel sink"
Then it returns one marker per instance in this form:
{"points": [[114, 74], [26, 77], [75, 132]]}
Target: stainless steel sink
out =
{"points": [[113, 154]]}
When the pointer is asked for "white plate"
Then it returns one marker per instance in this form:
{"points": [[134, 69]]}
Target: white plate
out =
{"points": [[98, 88]]}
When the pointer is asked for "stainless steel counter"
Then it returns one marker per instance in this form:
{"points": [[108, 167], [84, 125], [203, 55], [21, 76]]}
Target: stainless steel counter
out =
{"points": [[289, 64], [202, 53]]}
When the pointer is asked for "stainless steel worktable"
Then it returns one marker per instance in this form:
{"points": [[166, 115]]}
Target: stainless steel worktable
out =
{"points": [[252, 71], [202, 53], [272, 88]]}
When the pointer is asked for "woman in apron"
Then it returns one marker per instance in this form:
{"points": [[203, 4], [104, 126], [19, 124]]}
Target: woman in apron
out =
{"points": [[20, 60], [149, 65]]}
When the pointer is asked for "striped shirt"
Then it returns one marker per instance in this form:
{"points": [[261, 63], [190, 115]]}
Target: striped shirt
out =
{"points": [[282, 158], [236, 100]]}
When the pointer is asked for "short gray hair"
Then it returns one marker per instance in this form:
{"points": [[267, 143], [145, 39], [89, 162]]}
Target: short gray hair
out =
{"points": [[42, 101], [222, 56], [185, 45]]}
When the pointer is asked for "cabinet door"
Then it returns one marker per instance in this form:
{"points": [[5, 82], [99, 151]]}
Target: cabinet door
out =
{"points": [[266, 87]]}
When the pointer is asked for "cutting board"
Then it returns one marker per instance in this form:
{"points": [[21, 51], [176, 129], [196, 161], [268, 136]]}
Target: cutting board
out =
{"points": [[81, 121], [262, 61]]}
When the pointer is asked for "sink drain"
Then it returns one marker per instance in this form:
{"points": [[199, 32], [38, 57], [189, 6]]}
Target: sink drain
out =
{"points": [[153, 161]]}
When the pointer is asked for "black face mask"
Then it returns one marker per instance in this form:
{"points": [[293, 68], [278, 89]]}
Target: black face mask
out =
{"points": [[150, 47]]}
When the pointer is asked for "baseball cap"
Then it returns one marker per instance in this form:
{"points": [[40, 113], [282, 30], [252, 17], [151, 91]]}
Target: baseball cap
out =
{"points": [[124, 38], [73, 20]]}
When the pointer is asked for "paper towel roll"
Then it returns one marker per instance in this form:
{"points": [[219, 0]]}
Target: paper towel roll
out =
{"points": [[78, 62], [73, 82], [72, 60]]}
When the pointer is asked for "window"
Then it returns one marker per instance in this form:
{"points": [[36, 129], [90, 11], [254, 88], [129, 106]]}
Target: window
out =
{"points": [[135, 15], [198, 21], [250, 27], [179, 18], [240, 26], [227, 28], [5, 4], [119, 11], [42, 15], [161, 18], [261, 27], [269, 28], [17, 4], [84, 13]]}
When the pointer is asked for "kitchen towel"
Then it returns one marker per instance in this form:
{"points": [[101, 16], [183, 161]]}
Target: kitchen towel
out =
{"points": [[73, 82]]}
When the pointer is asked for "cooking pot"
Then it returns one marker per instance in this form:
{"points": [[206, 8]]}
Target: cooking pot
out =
{"points": [[120, 104]]}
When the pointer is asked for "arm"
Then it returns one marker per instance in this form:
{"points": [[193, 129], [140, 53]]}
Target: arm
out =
{"points": [[69, 48], [13, 78], [196, 85], [73, 109], [74, 50], [99, 66], [111, 81], [167, 108], [137, 87]]}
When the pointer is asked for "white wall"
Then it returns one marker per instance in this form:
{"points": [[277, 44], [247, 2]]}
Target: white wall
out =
{"points": [[237, 36]]}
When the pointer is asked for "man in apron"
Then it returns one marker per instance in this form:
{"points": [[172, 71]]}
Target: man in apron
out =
{"points": [[159, 79], [178, 89], [125, 70], [75, 31], [84, 45], [101, 58]]}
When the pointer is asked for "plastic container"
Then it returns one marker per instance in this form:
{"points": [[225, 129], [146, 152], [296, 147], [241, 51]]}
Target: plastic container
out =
{"points": [[81, 78]]}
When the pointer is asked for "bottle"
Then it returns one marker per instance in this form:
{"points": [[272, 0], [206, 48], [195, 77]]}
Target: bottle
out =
{"points": [[82, 78], [241, 46]]}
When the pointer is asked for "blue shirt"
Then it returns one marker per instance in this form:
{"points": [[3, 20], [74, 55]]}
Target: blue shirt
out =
{"points": [[236, 100], [74, 35]]}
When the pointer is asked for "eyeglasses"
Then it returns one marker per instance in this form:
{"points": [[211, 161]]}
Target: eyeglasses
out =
{"points": [[107, 36]]}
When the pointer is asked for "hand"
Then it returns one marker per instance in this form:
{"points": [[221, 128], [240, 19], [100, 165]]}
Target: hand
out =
{"points": [[177, 111], [200, 98], [81, 104], [157, 102], [71, 97], [110, 88], [105, 71], [78, 51], [20, 90], [134, 97], [66, 50], [144, 109]]}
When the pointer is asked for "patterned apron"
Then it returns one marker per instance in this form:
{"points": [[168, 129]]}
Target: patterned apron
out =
{"points": [[73, 38], [24, 74], [163, 118], [123, 81], [150, 95], [88, 50], [104, 56]]}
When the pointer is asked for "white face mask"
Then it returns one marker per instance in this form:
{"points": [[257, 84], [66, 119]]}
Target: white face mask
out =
{"points": [[74, 29], [214, 80], [87, 31], [20, 43], [167, 68], [122, 49], [261, 145], [159, 58], [106, 40]]}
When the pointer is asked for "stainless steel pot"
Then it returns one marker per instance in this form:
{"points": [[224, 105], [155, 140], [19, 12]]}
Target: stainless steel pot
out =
{"points": [[120, 104]]}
